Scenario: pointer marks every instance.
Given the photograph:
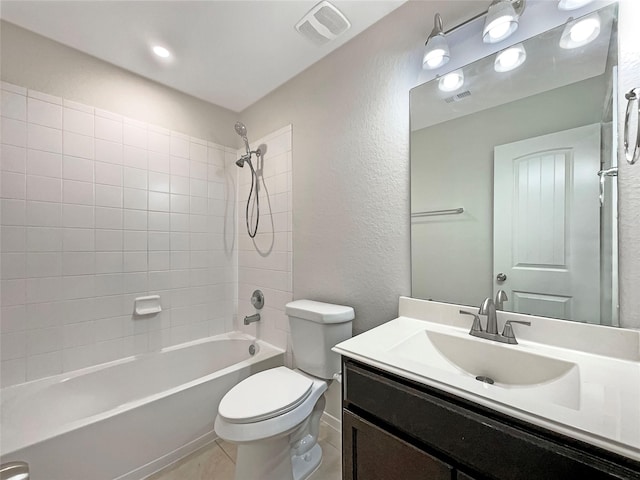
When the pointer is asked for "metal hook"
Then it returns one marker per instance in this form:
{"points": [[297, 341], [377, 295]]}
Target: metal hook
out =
{"points": [[633, 157]]}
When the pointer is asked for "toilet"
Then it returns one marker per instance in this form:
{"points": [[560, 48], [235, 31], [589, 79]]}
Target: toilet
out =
{"points": [[274, 416]]}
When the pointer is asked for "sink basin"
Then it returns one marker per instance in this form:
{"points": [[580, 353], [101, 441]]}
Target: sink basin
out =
{"points": [[523, 373], [506, 365]]}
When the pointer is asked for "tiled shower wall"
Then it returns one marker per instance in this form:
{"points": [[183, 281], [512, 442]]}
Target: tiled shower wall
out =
{"points": [[98, 209], [265, 262]]}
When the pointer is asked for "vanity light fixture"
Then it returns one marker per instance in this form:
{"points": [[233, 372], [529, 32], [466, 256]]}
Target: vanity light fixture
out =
{"points": [[580, 32], [161, 51], [436, 51], [502, 20], [572, 4], [451, 81], [510, 59]]}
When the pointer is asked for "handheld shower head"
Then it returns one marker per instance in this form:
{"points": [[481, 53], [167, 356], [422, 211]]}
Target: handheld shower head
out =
{"points": [[241, 130]]}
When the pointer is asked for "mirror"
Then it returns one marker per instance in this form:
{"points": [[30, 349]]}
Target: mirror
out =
{"points": [[513, 181]]}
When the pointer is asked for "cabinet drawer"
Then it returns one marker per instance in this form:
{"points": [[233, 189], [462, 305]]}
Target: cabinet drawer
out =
{"points": [[370, 453], [468, 438]]}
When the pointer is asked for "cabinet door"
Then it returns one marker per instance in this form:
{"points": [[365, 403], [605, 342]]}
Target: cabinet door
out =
{"points": [[371, 453]]}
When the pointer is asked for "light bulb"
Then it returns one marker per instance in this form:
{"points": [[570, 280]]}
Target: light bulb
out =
{"points": [[161, 51], [580, 32], [451, 81], [510, 58]]}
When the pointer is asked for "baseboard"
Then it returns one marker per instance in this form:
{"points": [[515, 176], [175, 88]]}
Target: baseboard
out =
{"points": [[331, 421]]}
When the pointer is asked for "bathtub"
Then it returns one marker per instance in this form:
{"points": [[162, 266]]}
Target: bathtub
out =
{"points": [[129, 418]]}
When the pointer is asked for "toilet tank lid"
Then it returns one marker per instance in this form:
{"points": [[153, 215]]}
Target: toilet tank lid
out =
{"points": [[320, 312]]}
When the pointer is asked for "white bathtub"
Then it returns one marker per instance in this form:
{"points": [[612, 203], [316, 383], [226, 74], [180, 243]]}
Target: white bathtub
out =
{"points": [[126, 419]]}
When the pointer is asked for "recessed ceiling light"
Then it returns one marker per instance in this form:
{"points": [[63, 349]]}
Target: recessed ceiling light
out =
{"points": [[161, 51], [451, 81], [580, 32], [510, 58]]}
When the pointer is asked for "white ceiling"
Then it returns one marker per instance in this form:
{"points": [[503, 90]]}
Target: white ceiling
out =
{"points": [[230, 53]]}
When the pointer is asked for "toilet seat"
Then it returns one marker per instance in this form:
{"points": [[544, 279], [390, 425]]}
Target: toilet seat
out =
{"points": [[265, 395], [277, 424]]}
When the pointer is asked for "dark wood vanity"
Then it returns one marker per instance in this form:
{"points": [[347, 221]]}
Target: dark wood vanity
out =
{"points": [[397, 429]]}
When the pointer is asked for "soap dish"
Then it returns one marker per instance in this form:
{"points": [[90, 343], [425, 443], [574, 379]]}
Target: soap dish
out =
{"points": [[147, 305]]}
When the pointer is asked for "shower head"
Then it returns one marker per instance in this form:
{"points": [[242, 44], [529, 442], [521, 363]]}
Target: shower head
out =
{"points": [[242, 131], [245, 158]]}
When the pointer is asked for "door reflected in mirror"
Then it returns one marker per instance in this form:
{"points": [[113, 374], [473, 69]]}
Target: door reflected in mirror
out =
{"points": [[507, 184]]}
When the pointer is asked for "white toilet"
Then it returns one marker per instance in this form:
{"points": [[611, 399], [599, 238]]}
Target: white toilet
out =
{"points": [[274, 415]]}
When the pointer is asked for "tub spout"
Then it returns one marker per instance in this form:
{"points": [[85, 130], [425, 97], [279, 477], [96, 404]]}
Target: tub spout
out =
{"points": [[252, 318]]}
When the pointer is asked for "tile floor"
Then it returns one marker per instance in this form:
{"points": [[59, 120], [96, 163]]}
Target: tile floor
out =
{"points": [[216, 461]]}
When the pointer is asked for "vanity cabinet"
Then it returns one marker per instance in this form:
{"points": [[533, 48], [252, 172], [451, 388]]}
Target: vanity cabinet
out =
{"points": [[396, 429]]}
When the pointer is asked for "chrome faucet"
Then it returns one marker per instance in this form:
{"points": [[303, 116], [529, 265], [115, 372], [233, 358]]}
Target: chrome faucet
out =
{"points": [[252, 318], [501, 297], [488, 308]]}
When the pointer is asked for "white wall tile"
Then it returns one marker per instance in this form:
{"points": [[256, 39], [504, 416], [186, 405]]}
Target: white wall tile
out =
{"points": [[44, 138], [179, 145], [14, 158], [77, 145], [108, 196], [77, 121], [179, 166], [108, 174], [78, 263], [13, 266], [135, 135], [81, 193], [135, 199], [13, 185], [135, 178], [75, 168], [44, 365], [78, 240], [108, 129], [13, 212], [14, 105], [135, 220], [109, 152], [43, 239], [44, 113], [109, 240], [86, 206], [159, 162], [42, 290], [44, 264], [109, 262], [109, 218], [159, 140], [80, 216], [135, 157], [44, 163]]}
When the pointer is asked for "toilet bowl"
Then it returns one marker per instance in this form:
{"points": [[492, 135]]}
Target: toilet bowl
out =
{"points": [[274, 416]]}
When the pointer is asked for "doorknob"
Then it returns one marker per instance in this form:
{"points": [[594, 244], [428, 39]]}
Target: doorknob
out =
{"points": [[501, 277]]}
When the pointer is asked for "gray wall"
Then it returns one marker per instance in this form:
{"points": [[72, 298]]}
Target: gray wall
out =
{"points": [[35, 62], [350, 116], [452, 166]]}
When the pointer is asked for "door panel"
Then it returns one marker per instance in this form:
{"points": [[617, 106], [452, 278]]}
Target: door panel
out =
{"points": [[546, 224]]}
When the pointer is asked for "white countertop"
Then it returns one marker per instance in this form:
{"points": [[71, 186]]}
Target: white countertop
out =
{"points": [[604, 405]]}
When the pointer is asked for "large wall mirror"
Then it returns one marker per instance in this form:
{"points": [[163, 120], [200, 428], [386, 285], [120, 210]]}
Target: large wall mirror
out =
{"points": [[513, 181]]}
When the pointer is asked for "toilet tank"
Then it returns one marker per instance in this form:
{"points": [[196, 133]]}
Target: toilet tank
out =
{"points": [[316, 328]]}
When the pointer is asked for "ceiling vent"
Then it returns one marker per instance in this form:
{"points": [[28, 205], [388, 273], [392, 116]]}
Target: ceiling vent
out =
{"points": [[323, 23], [458, 97]]}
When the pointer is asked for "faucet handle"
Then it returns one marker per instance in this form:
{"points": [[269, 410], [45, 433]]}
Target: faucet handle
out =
{"points": [[477, 326], [507, 332]]}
